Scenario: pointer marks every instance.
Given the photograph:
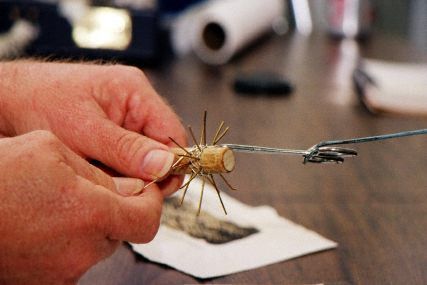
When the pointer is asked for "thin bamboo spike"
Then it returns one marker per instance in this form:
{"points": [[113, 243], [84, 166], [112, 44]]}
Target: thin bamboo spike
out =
{"points": [[203, 133], [201, 196], [183, 194], [217, 132], [149, 184], [226, 182], [176, 164], [194, 169], [186, 188], [188, 156], [192, 176], [221, 136], [212, 180], [194, 138], [175, 142]]}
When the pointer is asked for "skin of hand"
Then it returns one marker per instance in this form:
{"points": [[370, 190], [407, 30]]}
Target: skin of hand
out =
{"points": [[108, 113], [60, 214]]}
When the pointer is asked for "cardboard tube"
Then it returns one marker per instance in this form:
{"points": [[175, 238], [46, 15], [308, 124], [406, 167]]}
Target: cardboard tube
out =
{"points": [[224, 27]]}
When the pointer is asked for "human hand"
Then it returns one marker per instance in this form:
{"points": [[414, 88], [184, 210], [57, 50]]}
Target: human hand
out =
{"points": [[109, 113], [60, 215]]}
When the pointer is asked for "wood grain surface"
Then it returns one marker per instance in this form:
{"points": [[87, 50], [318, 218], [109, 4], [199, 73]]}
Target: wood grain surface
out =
{"points": [[374, 206]]}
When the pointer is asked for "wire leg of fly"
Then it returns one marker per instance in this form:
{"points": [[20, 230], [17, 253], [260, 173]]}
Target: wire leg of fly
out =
{"points": [[192, 176], [176, 164], [194, 138], [217, 132], [203, 133], [226, 182], [185, 186], [201, 196], [212, 181], [181, 147], [221, 135], [148, 185]]}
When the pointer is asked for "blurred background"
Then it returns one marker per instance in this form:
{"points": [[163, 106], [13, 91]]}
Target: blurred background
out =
{"points": [[148, 31], [215, 33]]}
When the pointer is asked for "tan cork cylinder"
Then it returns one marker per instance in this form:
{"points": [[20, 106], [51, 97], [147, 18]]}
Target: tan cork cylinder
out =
{"points": [[213, 159]]}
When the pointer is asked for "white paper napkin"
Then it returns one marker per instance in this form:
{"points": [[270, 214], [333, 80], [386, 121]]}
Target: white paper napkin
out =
{"points": [[267, 237], [398, 87]]}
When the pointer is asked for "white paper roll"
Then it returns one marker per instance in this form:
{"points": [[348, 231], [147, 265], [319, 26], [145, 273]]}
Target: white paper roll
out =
{"points": [[226, 26]]}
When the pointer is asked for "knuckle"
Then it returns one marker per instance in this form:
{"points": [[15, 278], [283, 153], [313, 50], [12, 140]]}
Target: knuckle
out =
{"points": [[131, 71], [42, 143], [45, 138], [123, 80], [115, 85], [127, 73], [43, 135]]}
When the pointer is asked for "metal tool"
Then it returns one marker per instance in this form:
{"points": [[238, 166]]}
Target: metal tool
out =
{"points": [[313, 154], [325, 151], [206, 160]]}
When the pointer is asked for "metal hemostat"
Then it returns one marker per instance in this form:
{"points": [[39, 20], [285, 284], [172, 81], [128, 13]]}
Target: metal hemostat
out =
{"points": [[325, 151], [313, 154], [205, 161]]}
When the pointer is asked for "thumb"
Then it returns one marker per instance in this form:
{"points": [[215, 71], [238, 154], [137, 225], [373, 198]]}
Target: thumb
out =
{"points": [[125, 151], [128, 186], [134, 219]]}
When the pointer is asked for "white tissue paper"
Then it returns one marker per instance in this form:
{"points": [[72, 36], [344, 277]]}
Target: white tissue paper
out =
{"points": [[215, 244], [397, 87]]}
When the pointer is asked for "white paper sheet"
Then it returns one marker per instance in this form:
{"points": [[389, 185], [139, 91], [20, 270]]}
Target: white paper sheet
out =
{"points": [[277, 239], [399, 87]]}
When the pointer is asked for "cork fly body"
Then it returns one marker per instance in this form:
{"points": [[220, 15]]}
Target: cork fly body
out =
{"points": [[203, 160]]}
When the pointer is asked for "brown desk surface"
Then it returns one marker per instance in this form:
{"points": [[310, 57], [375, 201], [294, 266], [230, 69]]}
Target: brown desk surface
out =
{"points": [[374, 206]]}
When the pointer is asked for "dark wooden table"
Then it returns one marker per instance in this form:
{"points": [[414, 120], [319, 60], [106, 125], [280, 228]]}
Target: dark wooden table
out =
{"points": [[374, 206]]}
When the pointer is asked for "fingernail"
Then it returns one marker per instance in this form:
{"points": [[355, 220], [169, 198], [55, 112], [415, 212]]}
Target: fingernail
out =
{"points": [[128, 186], [157, 163]]}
